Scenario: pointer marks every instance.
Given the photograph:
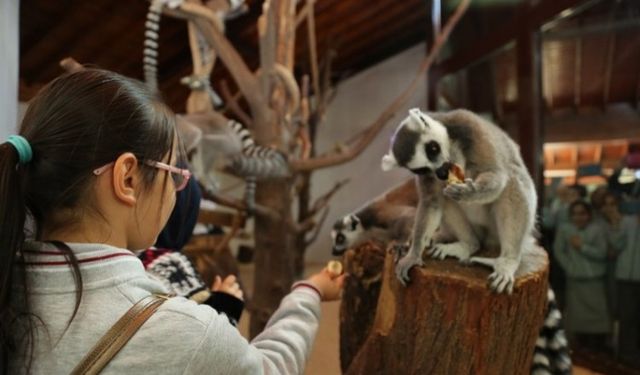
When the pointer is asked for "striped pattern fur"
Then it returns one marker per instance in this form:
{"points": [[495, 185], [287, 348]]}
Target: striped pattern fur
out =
{"points": [[150, 51], [551, 354], [255, 162]]}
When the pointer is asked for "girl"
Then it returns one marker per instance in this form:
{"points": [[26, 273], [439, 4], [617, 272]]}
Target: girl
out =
{"points": [[93, 175], [581, 249]]}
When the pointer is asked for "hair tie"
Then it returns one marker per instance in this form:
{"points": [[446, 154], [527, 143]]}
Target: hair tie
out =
{"points": [[21, 145]]}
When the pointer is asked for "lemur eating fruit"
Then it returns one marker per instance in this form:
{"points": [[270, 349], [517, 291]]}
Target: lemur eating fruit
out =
{"points": [[494, 205]]}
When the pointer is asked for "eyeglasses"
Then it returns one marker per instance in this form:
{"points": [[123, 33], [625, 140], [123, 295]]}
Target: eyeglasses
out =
{"points": [[179, 176]]}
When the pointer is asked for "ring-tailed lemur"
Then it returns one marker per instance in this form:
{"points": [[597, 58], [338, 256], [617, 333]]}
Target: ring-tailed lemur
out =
{"points": [[495, 205], [226, 144], [233, 9], [369, 224], [386, 218], [551, 353], [251, 162]]}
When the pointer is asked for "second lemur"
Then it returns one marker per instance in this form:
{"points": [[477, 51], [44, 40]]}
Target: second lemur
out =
{"points": [[494, 205]]}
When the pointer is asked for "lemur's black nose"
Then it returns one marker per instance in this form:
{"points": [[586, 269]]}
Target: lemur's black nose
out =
{"points": [[443, 171], [340, 238]]}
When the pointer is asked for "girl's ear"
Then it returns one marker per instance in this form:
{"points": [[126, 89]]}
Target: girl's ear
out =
{"points": [[126, 179]]}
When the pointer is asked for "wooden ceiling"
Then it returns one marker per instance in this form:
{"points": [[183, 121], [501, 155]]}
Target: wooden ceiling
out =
{"points": [[109, 34], [589, 58]]}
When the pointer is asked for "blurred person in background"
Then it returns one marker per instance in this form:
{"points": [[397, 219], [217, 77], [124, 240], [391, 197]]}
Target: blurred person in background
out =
{"points": [[624, 239], [580, 248]]}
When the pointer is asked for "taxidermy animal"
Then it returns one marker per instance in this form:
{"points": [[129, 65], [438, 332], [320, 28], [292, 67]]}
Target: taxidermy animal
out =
{"points": [[494, 205]]}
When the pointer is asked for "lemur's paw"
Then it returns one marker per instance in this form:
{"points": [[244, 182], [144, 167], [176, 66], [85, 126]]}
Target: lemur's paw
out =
{"points": [[504, 269], [405, 265], [460, 191], [457, 250]]}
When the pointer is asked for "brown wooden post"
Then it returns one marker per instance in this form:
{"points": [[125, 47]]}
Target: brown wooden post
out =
{"points": [[530, 136]]}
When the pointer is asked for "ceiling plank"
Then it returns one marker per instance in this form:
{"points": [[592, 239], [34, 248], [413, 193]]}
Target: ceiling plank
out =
{"points": [[526, 15], [54, 43]]}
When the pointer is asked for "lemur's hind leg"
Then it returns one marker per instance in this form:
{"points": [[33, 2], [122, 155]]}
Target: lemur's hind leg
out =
{"points": [[513, 213], [456, 223]]}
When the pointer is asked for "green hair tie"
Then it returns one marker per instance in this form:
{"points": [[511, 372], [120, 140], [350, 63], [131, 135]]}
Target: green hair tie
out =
{"points": [[21, 145]]}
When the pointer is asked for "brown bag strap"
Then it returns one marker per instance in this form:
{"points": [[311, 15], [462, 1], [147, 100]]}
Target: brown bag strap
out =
{"points": [[118, 335]]}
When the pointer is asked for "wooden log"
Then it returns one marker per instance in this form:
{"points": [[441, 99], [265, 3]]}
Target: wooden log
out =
{"points": [[447, 321], [364, 265]]}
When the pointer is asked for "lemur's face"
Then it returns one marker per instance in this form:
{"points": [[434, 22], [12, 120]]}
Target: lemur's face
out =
{"points": [[420, 144], [345, 232]]}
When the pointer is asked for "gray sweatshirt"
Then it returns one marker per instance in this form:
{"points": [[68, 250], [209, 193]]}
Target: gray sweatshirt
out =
{"points": [[182, 337]]}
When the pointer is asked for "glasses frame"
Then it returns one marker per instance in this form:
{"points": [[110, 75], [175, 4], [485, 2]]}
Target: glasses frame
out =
{"points": [[185, 173]]}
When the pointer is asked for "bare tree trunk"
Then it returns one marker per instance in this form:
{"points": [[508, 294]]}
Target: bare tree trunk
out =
{"points": [[304, 200], [273, 254], [447, 321]]}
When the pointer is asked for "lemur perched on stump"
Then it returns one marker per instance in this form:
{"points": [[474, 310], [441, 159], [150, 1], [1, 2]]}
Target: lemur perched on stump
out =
{"points": [[494, 205], [384, 219]]}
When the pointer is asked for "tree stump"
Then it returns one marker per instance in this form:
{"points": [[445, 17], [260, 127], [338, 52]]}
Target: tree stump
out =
{"points": [[364, 265], [447, 321]]}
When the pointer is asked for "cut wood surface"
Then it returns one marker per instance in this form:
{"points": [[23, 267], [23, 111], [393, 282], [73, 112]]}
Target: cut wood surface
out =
{"points": [[447, 321]]}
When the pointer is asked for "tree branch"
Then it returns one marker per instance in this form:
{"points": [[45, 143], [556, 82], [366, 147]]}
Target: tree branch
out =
{"points": [[365, 137], [206, 20], [302, 14], [313, 50], [323, 201], [316, 232], [233, 105], [237, 204]]}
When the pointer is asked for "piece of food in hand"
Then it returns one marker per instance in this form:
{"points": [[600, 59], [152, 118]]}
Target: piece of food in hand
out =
{"points": [[456, 175], [335, 268]]}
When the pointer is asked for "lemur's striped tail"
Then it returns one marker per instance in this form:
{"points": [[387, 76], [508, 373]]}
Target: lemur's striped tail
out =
{"points": [[551, 354], [151, 36], [255, 162]]}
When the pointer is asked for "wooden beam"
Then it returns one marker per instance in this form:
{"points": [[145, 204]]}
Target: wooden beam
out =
{"points": [[638, 93], [533, 16], [78, 21], [577, 75], [529, 97], [498, 111], [606, 89], [629, 25]]}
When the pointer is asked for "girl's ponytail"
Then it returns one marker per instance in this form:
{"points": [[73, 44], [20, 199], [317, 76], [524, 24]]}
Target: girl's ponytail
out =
{"points": [[12, 222]]}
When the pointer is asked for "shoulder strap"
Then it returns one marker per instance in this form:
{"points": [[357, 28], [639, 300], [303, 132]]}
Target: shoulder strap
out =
{"points": [[118, 335]]}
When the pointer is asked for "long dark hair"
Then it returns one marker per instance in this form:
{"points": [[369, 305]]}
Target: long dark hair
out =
{"points": [[77, 123]]}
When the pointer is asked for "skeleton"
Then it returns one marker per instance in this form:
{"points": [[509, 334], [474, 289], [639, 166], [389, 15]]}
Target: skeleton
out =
{"points": [[494, 206]]}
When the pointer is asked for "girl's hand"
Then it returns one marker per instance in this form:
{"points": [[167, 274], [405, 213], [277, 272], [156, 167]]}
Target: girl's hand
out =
{"points": [[229, 285], [328, 284]]}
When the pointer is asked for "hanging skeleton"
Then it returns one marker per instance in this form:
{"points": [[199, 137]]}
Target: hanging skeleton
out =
{"points": [[215, 145]]}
